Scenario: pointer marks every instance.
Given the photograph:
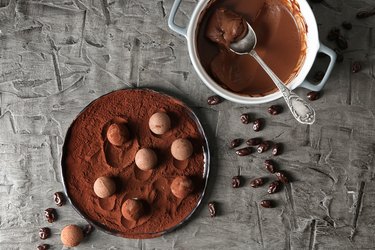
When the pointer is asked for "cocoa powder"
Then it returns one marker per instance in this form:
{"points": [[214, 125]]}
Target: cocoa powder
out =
{"points": [[88, 155]]}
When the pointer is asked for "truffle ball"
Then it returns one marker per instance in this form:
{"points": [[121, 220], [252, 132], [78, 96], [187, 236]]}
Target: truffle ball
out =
{"points": [[117, 134], [71, 235], [182, 186], [132, 209], [181, 149], [159, 123], [146, 159], [104, 187]]}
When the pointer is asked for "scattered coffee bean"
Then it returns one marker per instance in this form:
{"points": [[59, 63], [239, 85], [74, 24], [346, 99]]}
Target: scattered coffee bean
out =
{"points": [[254, 141], [236, 181], [340, 56], [333, 34], [245, 118], [50, 214], [273, 187], [365, 13], [263, 147], [342, 43], [213, 100], [270, 166], [43, 247], [318, 76], [59, 198], [356, 67], [212, 208], [281, 176], [275, 109], [235, 143], [244, 151], [313, 95], [257, 126], [276, 149], [44, 233], [347, 25], [87, 230], [266, 203], [257, 182]]}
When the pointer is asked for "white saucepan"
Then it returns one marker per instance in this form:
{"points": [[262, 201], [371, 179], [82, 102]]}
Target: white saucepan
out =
{"points": [[313, 47]]}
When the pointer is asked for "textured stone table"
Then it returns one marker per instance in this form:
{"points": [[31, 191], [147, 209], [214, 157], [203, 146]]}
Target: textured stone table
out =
{"points": [[57, 56]]}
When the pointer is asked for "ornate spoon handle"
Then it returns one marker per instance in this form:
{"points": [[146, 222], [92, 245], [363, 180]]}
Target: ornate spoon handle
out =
{"points": [[300, 109]]}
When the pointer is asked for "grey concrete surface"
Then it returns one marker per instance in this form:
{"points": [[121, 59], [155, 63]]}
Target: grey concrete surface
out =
{"points": [[57, 56]]}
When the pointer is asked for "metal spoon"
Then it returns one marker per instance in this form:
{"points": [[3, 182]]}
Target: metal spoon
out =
{"points": [[300, 109]]}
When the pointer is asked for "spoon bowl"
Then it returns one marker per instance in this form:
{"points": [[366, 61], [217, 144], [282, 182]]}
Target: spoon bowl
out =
{"points": [[246, 44]]}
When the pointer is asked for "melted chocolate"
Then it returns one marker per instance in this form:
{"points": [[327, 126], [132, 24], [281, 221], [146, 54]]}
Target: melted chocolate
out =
{"points": [[279, 44]]}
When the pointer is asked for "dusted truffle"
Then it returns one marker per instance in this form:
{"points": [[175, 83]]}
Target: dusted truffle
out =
{"points": [[71, 235], [117, 134], [132, 209], [159, 123], [181, 149], [182, 186], [104, 187], [146, 159], [226, 27]]}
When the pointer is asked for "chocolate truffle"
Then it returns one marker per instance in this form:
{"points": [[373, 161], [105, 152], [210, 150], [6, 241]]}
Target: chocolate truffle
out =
{"points": [[117, 134], [132, 209], [181, 149], [71, 235], [104, 187], [182, 186], [146, 159], [159, 123]]}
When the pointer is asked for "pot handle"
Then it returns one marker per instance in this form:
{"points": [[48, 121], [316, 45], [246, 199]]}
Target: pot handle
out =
{"points": [[172, 25], [317, 87]]}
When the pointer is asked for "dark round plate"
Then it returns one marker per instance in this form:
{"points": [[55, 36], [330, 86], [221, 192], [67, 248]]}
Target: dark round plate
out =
{"points": [[206, 167]]}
